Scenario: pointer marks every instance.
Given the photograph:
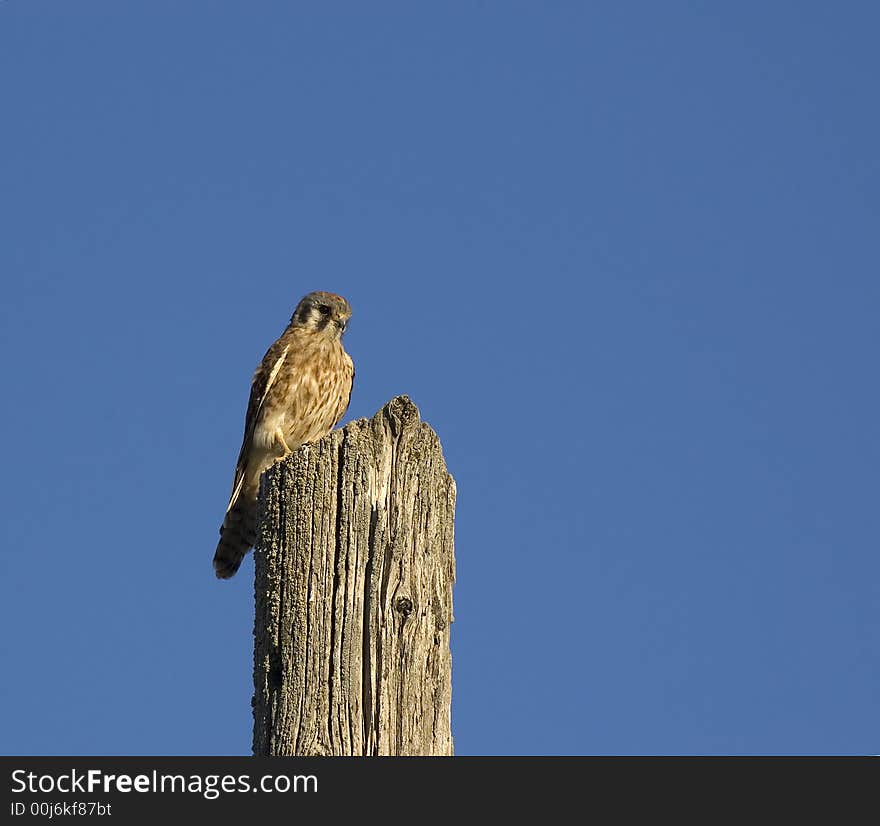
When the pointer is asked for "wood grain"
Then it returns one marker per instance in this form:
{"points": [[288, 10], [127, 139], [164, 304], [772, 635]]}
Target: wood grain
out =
{"points": [[354, 572]]}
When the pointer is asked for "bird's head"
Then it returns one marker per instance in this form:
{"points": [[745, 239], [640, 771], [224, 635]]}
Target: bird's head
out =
{"points": [[325, 313]]}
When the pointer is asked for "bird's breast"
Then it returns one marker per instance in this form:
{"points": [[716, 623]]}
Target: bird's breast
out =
{"points": [[307, 398]]}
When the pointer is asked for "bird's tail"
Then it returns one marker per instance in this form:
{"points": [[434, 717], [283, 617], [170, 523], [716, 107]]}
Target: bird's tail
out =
{"points": [[237, 537]]}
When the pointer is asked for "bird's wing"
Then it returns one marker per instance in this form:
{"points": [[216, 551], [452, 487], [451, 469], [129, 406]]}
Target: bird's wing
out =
{"points": [[264, 378]]}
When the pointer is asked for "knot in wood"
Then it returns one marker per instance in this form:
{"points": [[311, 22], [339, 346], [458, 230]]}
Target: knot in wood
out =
{"points": [[404, 606]]}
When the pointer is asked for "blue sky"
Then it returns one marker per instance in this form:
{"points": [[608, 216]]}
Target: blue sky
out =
{"points": [[624, 257]]}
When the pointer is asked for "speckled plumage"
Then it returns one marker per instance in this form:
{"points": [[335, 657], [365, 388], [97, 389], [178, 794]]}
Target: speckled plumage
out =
{"points": [[299, 393]]}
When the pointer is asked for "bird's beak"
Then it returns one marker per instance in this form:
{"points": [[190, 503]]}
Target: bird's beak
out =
{"points": [[341, 323]]}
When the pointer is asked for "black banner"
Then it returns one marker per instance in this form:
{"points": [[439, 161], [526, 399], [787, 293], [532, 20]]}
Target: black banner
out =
{"points": [[141, 789]]}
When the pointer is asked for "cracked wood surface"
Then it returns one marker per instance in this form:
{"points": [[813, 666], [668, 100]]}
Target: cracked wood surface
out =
{"points": [[353, 592]]}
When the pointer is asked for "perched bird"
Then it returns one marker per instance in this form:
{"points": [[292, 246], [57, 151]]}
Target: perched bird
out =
{"points": [[299, 393]]}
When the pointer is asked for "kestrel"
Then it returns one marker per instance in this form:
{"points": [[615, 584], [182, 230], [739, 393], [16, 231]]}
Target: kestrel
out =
{"points": [[299, 393]]}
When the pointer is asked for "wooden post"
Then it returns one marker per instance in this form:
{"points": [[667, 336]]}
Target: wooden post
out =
{"points": [[353, 592]]}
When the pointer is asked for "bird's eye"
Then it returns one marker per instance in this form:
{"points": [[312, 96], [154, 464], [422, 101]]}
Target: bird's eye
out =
{"points": [[323, 309]]}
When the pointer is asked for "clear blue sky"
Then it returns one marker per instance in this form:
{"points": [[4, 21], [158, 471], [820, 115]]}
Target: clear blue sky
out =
{"points": [[625, 256]]}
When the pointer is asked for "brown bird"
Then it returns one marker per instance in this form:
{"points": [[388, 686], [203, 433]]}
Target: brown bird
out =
{"points": [[299, 393]]}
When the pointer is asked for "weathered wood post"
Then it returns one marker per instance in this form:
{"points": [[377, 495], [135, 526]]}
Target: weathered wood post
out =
{"points": [[353, 591]]}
